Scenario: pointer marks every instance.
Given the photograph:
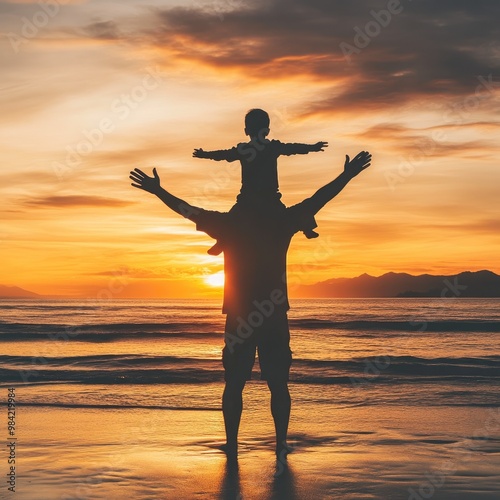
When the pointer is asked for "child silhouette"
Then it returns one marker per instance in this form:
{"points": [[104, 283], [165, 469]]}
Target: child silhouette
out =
{"points": [[259, 169]]}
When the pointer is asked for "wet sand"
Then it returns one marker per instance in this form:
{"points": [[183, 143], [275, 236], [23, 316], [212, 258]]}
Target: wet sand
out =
{"points": [[339, 453]]}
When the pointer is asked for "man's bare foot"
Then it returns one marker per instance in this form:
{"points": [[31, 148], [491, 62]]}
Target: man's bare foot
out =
{"points": [[282, 451], [230, 450]]}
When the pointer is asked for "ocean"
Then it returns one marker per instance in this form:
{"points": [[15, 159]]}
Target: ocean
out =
{"points": [[166, 353]]}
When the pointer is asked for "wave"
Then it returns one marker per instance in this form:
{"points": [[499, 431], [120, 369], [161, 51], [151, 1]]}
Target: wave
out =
{"points": [[137, 369], [28, 305], [109, 332], [108, 377], [95, 360], [210, 406], [102, 360], [116, 406], [415, 325]]}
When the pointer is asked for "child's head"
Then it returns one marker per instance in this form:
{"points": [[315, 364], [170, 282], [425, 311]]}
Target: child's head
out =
{"points": [[257, 123]]}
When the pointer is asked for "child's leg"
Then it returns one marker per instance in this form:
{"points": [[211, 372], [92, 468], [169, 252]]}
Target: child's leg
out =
{"points": [[215, 250], [307, 224]]}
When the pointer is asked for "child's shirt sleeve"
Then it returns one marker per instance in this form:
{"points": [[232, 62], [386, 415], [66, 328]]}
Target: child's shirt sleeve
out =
{"points": [[292, 148], [225, 154]]}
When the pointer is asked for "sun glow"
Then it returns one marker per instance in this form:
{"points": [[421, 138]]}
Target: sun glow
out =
{"points": [[216, 279]]}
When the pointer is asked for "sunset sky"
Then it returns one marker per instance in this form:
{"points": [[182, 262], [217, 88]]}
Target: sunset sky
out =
{"points": [[92, 89]]}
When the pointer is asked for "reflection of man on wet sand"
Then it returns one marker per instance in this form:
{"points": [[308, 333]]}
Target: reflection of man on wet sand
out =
{"points": [[255, 245]]}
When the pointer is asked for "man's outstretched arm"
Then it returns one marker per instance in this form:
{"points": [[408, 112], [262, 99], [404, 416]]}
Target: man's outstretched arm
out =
{"points": [[351, 169], [152, 185]]}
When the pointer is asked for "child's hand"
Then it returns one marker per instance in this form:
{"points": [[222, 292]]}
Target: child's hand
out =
{"points": [[142, 181], [319, 146], [359, 163], [199, 153]]}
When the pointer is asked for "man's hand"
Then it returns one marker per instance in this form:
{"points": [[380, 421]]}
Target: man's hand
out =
{"points": [[359, 163], [199, 153], [142, 181], [319, 146]]}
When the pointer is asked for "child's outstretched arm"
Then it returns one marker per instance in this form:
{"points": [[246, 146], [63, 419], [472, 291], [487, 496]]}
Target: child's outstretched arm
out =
{"points": [[301, 149], [222, 154]]}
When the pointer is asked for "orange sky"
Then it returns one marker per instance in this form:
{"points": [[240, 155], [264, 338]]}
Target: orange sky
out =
{"points": [[99, 88]]}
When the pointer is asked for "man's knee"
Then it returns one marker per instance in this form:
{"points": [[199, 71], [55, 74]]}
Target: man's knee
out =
{"points": [[278, 387], [235, 386]]}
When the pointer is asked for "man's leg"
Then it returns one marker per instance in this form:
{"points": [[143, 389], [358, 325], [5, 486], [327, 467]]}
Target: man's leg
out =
{"points": [[280, 409], [238, 359], [275, 358], [232, 406]]}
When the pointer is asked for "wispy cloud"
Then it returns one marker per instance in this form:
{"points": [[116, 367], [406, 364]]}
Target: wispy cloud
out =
{"points": [[75, 201], [406, 140], [102, 30]]}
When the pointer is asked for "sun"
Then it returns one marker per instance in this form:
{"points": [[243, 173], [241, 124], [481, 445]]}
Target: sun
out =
{"points": [[216, 279]]}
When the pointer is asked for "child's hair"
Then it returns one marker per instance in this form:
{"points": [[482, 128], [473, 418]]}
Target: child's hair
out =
{"points": [[257, 120]]}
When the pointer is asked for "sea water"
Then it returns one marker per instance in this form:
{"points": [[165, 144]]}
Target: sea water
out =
{"points": [[167, 353]]}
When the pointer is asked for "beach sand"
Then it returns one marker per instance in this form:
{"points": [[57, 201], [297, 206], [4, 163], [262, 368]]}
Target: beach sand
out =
{"points": [[338, 453]]}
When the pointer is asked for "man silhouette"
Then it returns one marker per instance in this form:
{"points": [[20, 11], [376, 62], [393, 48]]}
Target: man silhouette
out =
{"points": [[255, 245]]}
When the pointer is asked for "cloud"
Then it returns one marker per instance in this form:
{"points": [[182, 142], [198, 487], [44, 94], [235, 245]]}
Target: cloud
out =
{"points": [[408, 141], [485, 125], [102, 30], [428, 53], [27, 178], [74, 201], [155, 273], [49, 83], [37, 2], [430, 50], [477, 227]]}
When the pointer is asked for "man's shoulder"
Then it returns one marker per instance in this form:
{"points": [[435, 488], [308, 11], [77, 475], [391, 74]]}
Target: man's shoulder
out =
{"points": [[303, 206], [205, 214], [212, 222], [295, 215]]}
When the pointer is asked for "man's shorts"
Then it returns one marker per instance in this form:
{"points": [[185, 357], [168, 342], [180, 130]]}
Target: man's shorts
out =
{"points": [[271, 340]]}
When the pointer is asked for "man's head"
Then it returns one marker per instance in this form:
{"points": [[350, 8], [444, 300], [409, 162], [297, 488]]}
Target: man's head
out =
{"points": [[257, 123]]}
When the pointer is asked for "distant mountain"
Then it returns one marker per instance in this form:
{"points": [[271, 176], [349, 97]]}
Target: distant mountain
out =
{"points": [[466, 284], [16, 292]]}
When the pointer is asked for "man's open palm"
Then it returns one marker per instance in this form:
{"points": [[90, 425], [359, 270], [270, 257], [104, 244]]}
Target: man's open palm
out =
{"points": [[359, 163], [143, 181]]}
